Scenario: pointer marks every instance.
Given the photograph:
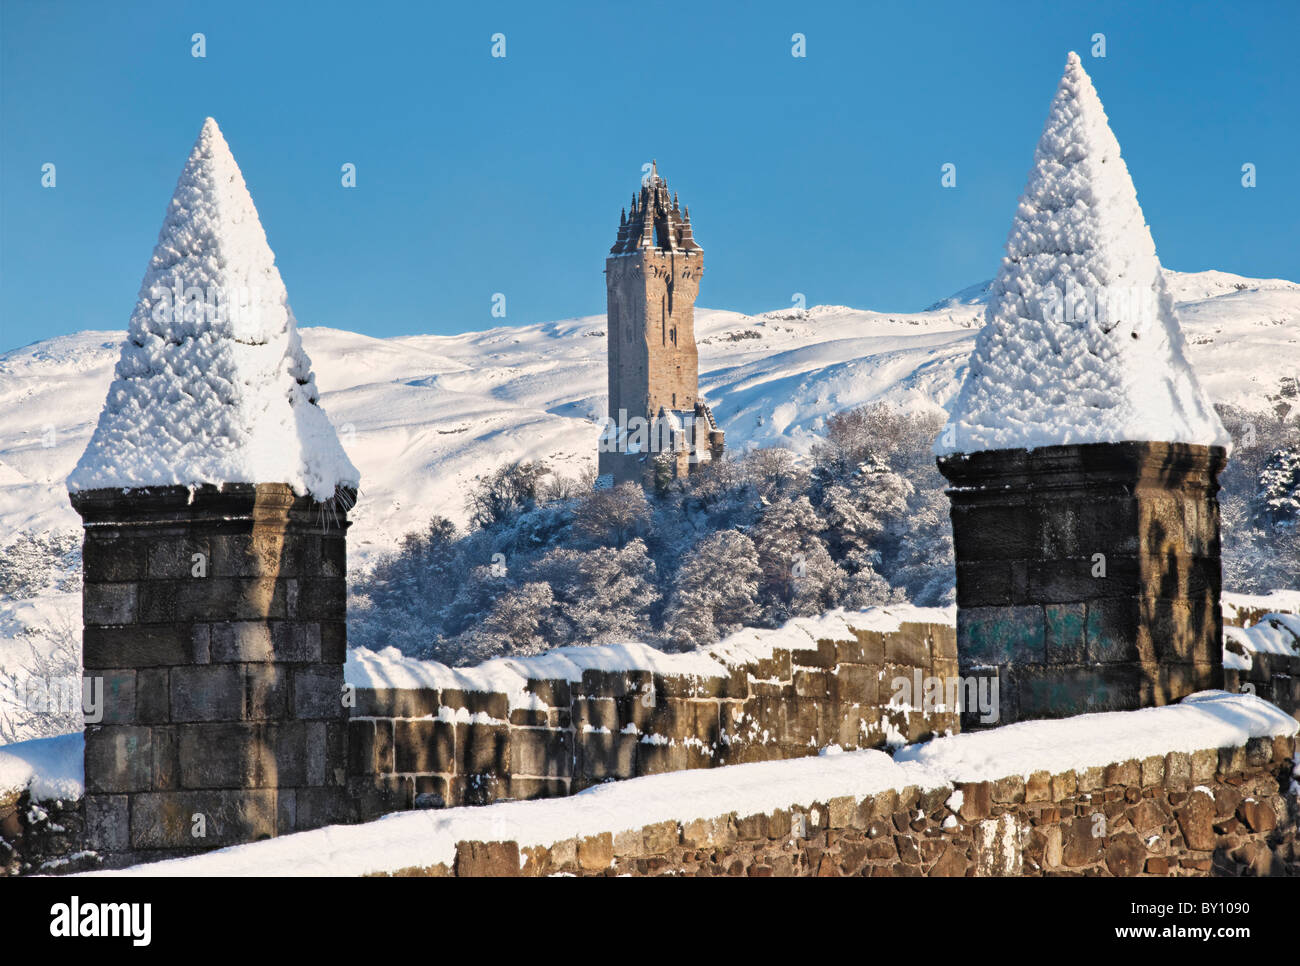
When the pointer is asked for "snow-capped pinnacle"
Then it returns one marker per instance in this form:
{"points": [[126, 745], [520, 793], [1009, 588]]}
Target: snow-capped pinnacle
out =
{"points": [[1080, 342], [213, 385]]}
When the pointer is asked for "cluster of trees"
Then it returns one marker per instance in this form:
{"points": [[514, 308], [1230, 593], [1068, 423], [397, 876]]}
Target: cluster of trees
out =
{"points": [[750, 541], [1259, 505], [41, 696]]}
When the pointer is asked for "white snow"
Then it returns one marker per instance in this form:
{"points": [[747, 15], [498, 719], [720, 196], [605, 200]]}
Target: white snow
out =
{"points": [[50, 767], [1081, 343], [1213, 719], [213, 384], [1272, 634], [1208, 719], [1275, 601]]}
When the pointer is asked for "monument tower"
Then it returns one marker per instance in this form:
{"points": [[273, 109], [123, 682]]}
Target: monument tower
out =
{"points": [[652, 275]]}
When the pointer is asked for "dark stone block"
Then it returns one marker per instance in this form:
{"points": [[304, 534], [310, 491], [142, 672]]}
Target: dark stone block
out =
{"points": [[158, 601], [985, 583], [226, 755], [1003, 532], [152, 696], [118, 758], [396, 702], [166, 744], [1066, 638], [525, 788], [162, 820], [318, 692], [212, 692], [240, 641], [108, 604], [424, 745], [541, 753], [118, 697], [1001, 635], [333, 641], [173, 558], [1079, 580], [112, 560], [266, 692], [316, 807], [490, 703], [1112, 631], [370, 747], [324, 598], [123, 647], [1061, 691], [483, 748], [600, 757]]}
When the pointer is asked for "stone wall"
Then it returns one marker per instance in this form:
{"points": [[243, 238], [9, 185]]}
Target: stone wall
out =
{"points": [[433, 747], [1264, 659], [1088, 576], [1220, 811], [215, 621]]}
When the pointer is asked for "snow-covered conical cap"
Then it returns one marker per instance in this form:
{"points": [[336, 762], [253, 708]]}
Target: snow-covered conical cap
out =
{"points": [[213, 385], [1080, 342]]}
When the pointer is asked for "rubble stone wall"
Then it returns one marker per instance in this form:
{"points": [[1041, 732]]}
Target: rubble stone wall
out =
{"points": [[1220, 811]]}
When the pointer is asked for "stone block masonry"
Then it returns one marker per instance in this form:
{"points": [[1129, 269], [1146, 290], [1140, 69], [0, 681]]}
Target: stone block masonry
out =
{"points": [[449, 745], [216, 620], [1088, 576]]}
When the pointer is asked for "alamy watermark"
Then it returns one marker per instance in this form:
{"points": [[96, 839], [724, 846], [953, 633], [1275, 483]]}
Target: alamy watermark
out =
{"points": [[930, 694]]}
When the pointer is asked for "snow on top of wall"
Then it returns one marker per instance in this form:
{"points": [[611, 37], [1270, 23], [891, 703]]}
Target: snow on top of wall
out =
{"points": [[1275, 601], [1213, 719], [752, 644], [1272, 634], [50, 767], [1208, 719], [390, 668], [213, 384], [1081, 343]]}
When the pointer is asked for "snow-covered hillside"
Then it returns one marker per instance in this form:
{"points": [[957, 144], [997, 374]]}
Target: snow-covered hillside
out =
{"points": [[424, 416]]}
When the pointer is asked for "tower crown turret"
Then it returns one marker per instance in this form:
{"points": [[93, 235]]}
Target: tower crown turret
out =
{"points": [[656, 221]]}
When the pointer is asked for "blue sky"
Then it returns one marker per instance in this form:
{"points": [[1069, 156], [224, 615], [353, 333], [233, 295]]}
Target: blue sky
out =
{"points": [[478, 175]]}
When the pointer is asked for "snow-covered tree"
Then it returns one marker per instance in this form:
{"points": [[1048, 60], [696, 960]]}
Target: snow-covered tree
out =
{"points": [[1279, 485], [799, 576], [716, 590], [615, 515], [521, 622], [605, 595], [511, 489]]}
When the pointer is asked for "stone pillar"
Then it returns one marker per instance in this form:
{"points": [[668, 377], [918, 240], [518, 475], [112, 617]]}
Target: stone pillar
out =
{"points": [[217, 623], [1088, 576]]}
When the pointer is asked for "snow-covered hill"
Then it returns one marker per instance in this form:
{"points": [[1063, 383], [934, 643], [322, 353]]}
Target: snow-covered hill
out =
{"points": [[424, 416]]}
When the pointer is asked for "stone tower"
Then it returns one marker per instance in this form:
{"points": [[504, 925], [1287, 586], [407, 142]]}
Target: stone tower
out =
{"points": [[652, 275], [214, 496]]}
